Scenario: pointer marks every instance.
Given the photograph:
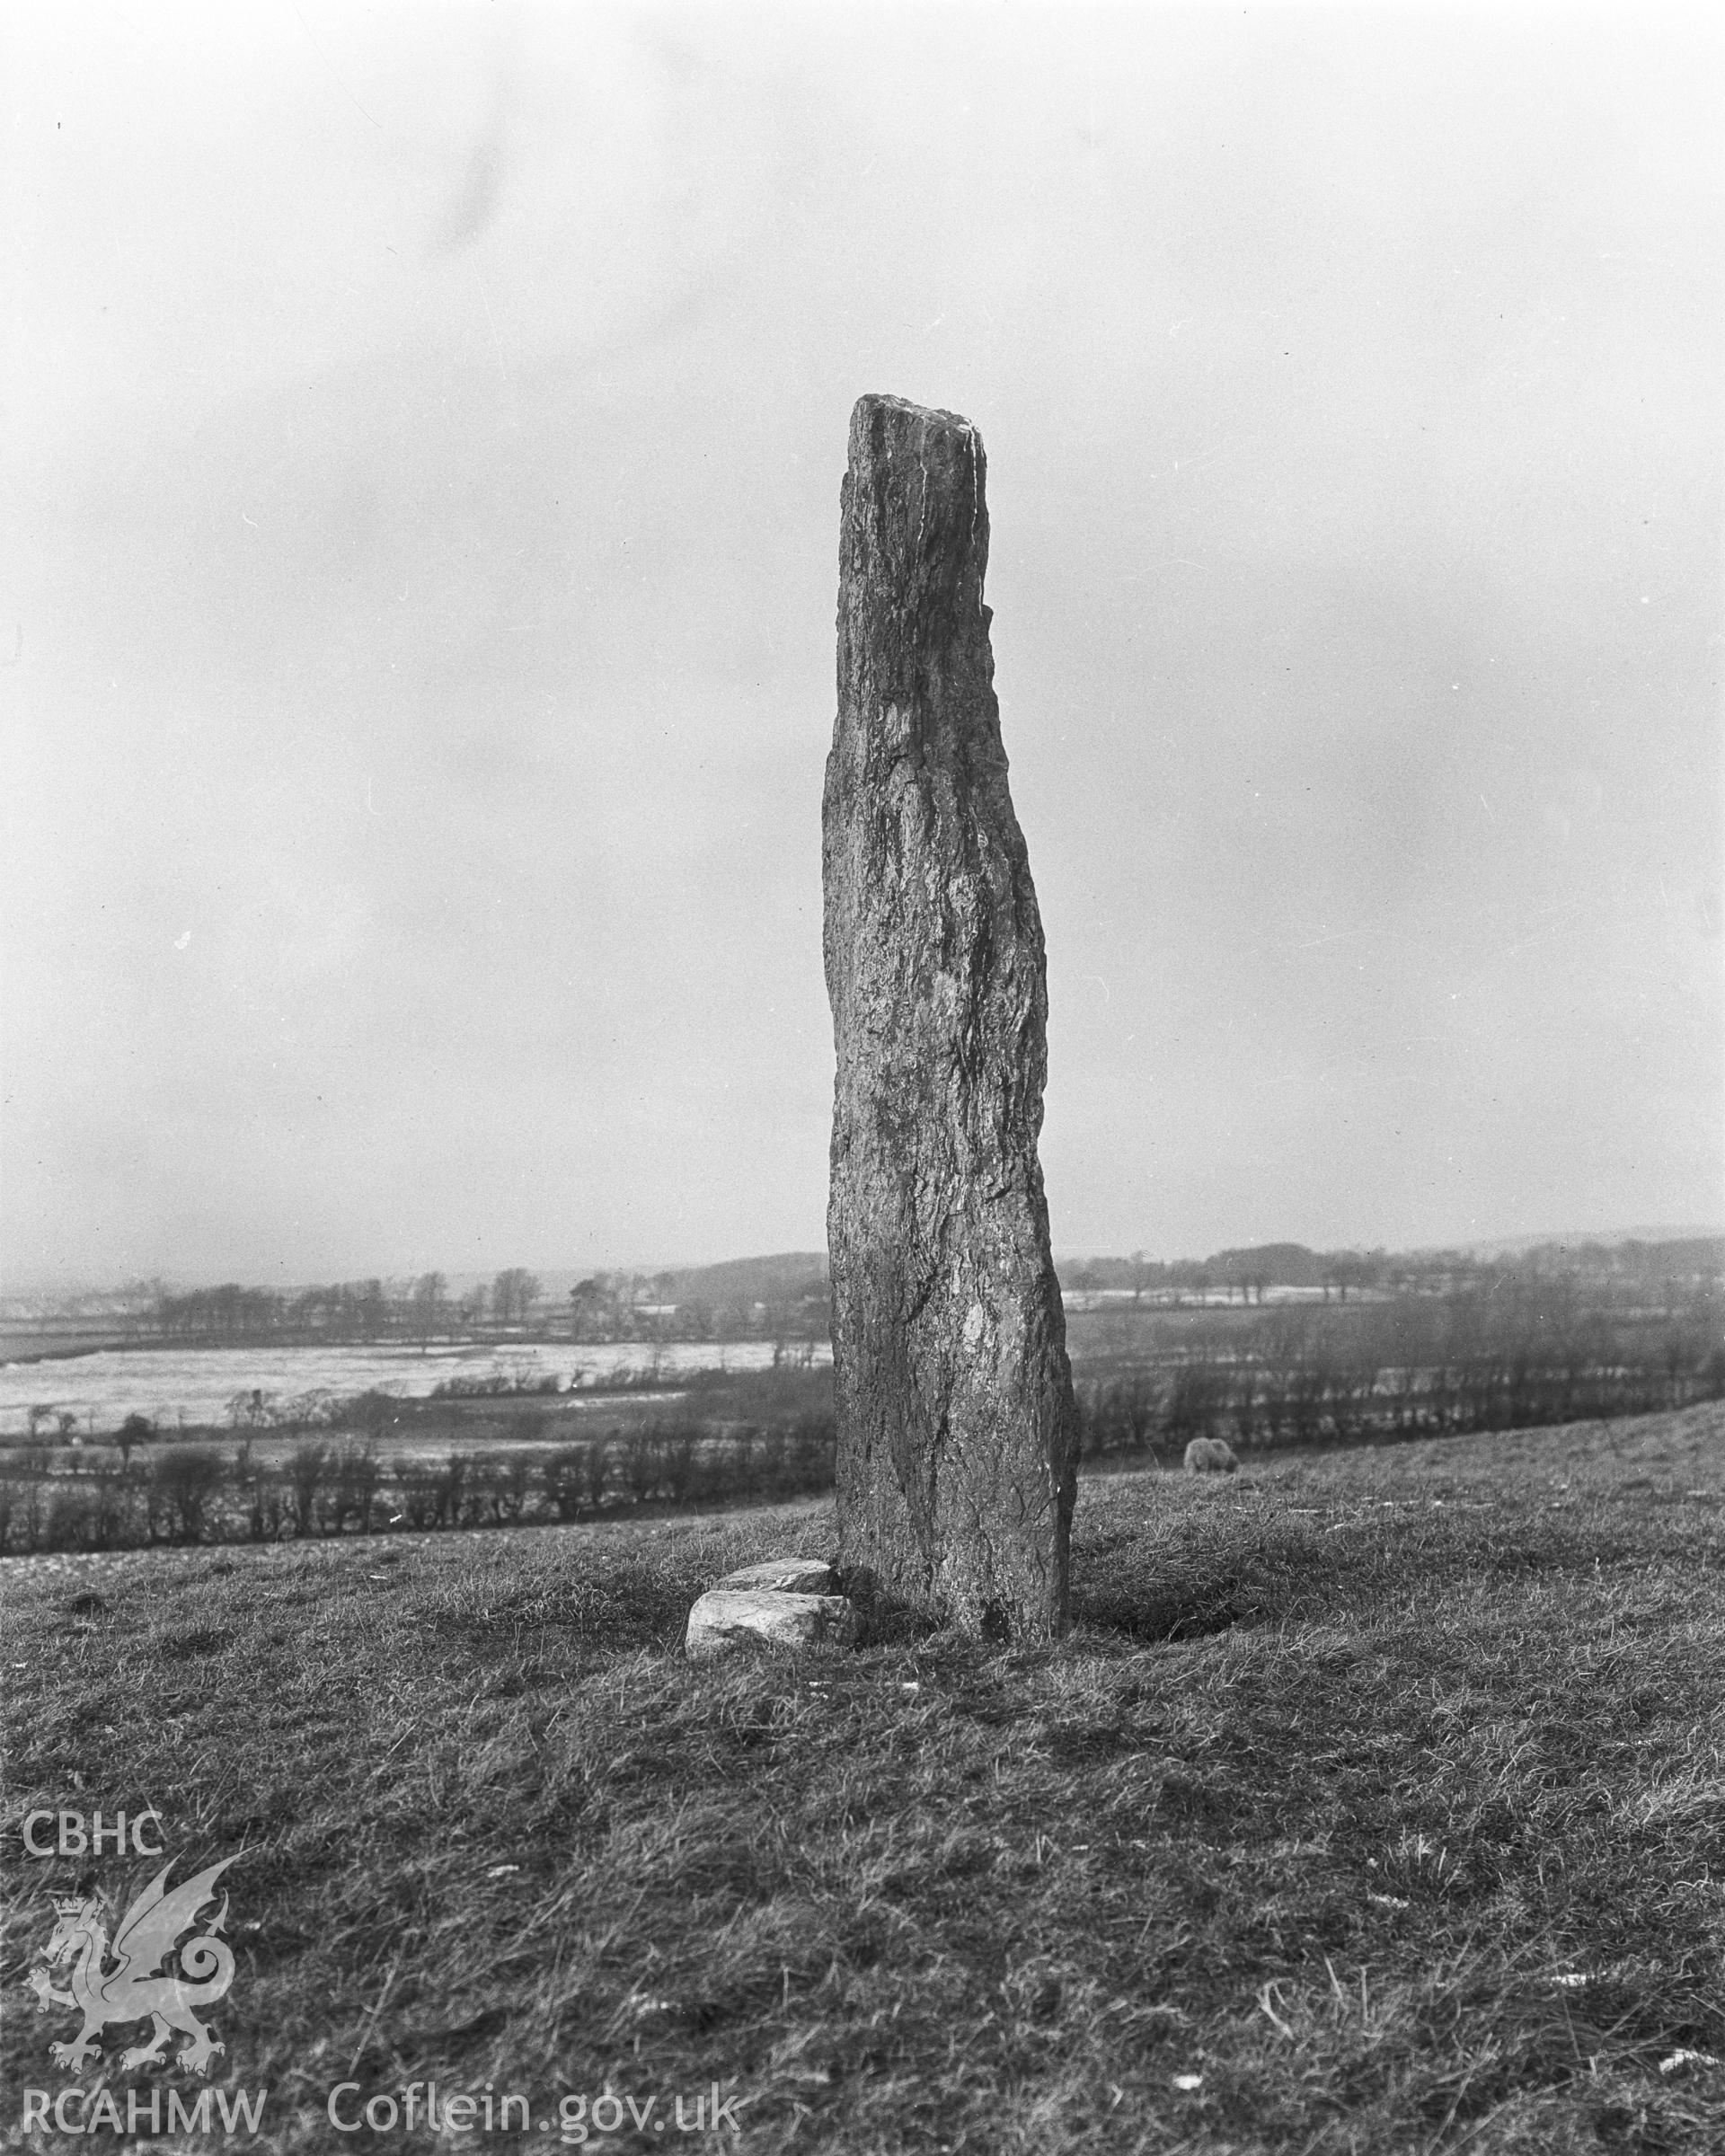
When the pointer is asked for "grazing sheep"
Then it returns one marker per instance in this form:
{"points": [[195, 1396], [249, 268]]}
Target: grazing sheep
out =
{"points": [[1210, 1456]]}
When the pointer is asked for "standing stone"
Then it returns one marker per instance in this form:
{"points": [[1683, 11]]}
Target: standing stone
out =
{"points": [[957, 1431]]}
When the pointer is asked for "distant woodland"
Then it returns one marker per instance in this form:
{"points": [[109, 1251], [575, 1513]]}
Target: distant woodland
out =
{"points": [[786, 1298], [1271, 1348]]}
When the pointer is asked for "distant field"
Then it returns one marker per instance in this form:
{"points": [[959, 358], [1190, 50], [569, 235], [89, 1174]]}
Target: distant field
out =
{"points": [[51, 1342], [376, 1463], [1376, 1803], [192, 1386]]}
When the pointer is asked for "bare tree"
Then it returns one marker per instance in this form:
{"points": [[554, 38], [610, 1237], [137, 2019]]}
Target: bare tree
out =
{"points": [[430, 1295], [591, 1310], [136, 1429], [514, 1295]]}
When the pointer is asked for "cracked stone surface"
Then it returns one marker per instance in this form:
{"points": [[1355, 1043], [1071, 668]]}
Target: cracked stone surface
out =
{"points": [[730, 1617], [957, 1431], [783, 1576]]}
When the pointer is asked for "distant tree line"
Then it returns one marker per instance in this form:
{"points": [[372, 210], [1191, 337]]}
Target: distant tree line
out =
{"points": [[613, 1307], [622, 1306], [1529, 1349], [201, 1492], [1537, 1352], [1662, 1276]]}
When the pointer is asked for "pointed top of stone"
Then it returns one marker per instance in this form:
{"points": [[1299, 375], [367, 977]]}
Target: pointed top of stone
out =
{"points": [[879, 400], [914, 528], [881, 426]]}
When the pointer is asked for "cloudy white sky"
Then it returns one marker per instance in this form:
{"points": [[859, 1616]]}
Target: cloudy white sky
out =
{"points": [[423, 430]]}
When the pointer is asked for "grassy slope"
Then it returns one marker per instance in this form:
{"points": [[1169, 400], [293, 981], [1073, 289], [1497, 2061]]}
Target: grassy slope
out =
{"points": [[1343, 1764]]}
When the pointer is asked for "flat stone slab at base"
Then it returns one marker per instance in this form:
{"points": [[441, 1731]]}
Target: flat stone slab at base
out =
{"points": [[731, 1617], [783, 1576]]}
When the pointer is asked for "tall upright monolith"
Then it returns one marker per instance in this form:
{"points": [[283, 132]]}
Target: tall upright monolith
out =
{"points": [[957, 1431]]}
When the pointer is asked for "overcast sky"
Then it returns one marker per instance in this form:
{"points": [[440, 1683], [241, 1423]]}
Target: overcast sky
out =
{"points": [[424, 430]]}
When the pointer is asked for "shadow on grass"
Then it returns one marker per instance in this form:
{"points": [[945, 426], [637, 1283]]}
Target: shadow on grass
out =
{"points": [[1192, 1573], [1166, 1563], [884, 1619], [1137, 1611], [1186, 1608]]}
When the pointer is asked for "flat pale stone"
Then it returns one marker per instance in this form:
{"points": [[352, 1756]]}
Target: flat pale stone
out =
{"points": [[731, 1617], [783, 1576]]}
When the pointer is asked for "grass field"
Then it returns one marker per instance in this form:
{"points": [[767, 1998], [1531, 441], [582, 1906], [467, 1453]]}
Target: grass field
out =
{"points": [[1376, 1802]]}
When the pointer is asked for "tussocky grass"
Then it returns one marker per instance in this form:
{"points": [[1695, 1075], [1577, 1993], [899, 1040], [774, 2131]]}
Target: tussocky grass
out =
{"points": [[1376, 1802]]}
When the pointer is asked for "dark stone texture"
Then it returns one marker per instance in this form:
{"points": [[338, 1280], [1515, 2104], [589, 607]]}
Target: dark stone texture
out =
{"points": [[957, 1431]]}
